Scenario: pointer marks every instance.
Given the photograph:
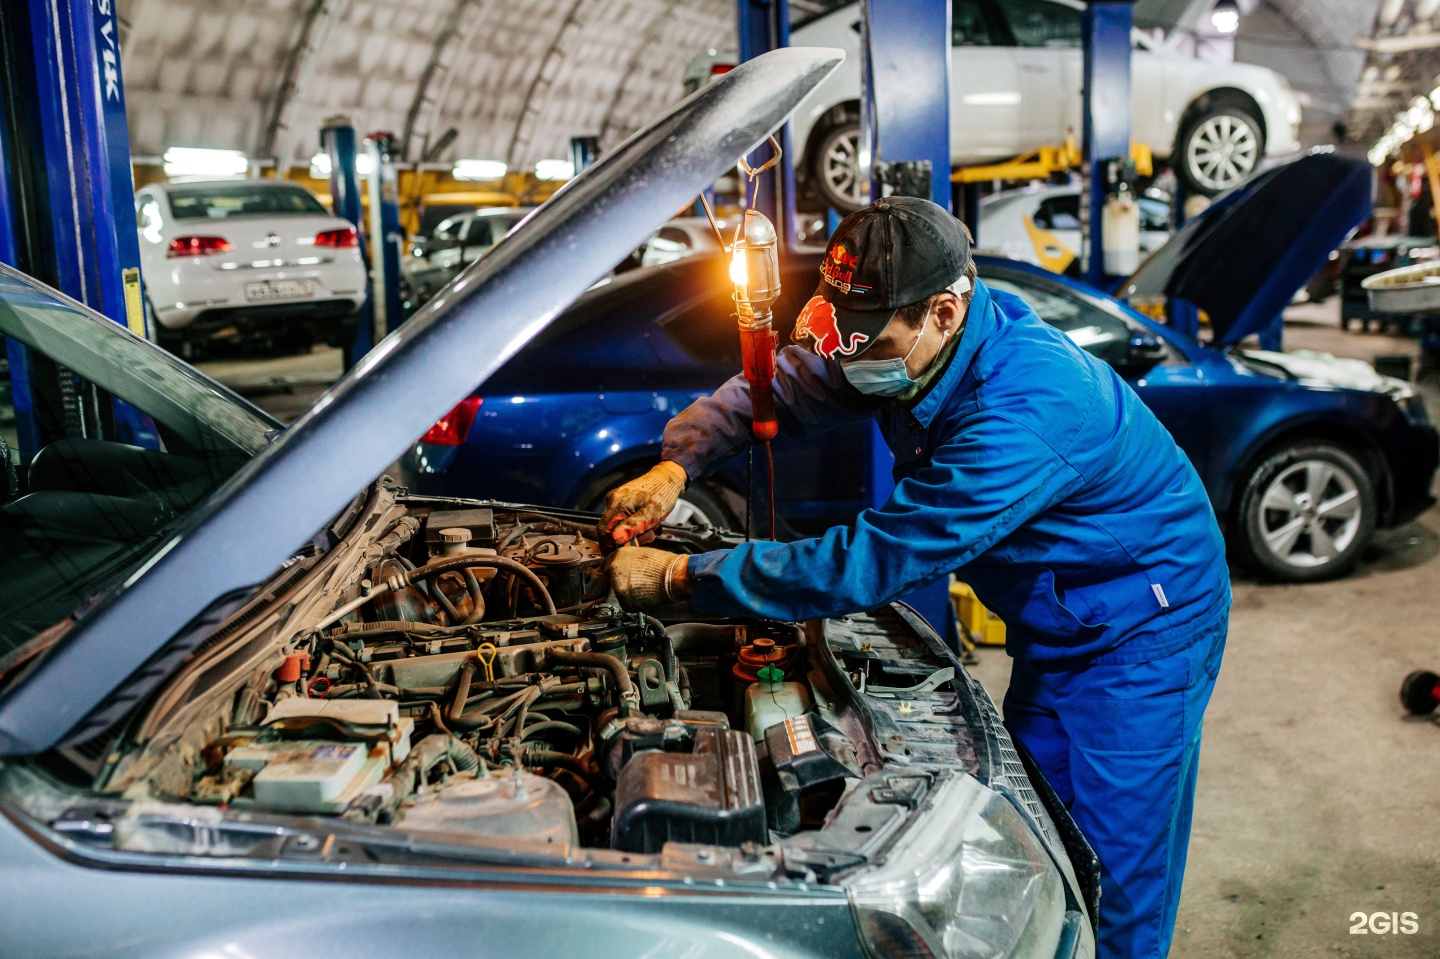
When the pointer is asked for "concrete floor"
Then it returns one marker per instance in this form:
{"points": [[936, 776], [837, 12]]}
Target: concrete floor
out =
{"points": [[1317, 798]]}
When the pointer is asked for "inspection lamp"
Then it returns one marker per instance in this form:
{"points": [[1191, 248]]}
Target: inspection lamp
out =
{"points": [[755, 273]]}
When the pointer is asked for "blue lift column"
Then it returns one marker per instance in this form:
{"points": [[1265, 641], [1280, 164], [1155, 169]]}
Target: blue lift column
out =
{"points": [[387, 237], [905, 122], [764, 25], [67, 213], [337, 139], [1106, 112]]}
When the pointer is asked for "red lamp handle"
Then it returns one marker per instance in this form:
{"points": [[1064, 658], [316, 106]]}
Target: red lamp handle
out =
{"points": [[758, 350]]}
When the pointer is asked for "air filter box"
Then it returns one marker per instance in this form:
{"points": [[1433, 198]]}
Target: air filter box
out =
{"points": [[711, 795]]}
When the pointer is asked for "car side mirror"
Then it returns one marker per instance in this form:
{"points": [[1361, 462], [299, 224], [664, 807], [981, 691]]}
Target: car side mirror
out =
{"points": [[1144, 353]]}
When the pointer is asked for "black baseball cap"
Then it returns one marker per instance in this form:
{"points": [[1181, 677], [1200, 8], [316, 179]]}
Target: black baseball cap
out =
{"points": [[894, 252]]}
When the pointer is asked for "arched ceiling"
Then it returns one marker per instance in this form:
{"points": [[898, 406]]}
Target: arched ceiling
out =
{"points": [[515, 78]]}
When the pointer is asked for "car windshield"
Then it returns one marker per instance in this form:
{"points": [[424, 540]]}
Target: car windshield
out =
{"points": [[220, 201], [108, 443]]}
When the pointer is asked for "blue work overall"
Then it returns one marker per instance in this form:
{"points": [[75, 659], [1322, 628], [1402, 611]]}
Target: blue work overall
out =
{"points": [[1033, 471]]}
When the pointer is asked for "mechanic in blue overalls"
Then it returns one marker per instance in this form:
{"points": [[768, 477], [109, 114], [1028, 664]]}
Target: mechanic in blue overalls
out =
{"points": [[1029, 468]]}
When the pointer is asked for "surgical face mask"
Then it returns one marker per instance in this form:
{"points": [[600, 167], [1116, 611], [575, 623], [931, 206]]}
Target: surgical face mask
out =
{"points": [[891, 377]]}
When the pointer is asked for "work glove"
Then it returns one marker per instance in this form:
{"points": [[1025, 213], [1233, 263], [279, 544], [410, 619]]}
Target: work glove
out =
{"points": [[641, 504], [642, 577]]}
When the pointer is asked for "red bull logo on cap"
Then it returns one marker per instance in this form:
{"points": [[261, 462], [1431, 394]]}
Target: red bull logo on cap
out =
{"points": [[839, 270], [818, 322]]}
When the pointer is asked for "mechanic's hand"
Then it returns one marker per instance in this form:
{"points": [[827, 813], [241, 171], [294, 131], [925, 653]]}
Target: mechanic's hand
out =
{"points": [[643, 577], [641, 504]]}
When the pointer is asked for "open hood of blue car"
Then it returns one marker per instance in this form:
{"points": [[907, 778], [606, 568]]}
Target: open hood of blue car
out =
{"points": [[1243, 258]]}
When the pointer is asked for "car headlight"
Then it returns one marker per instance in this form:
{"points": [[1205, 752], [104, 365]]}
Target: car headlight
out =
{"points": [[968, 879]]}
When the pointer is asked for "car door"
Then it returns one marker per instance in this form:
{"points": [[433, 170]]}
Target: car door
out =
{"points": [[1173, 388], [985, 96], [1046, 35]]}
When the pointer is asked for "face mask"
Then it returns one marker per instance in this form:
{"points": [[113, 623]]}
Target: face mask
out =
{"points": [[891, 377]]}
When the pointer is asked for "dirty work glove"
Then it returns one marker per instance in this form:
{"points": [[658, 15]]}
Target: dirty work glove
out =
{"points": [[643, 577], [641, 504]]}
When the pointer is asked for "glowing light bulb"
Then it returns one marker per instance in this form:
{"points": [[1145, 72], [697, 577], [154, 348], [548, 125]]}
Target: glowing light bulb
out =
{"points": [[738, 273]]}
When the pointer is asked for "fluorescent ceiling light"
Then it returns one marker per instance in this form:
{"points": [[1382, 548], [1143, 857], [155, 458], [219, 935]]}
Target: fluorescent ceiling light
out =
{"points": [[1225, 17], [1000, 98], [320, 165], [554, 169], [479, 170], [193, 161]]}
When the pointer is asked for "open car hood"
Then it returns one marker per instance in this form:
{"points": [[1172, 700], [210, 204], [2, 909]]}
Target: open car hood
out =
{"points": [[134, 637], [1243, 258]]}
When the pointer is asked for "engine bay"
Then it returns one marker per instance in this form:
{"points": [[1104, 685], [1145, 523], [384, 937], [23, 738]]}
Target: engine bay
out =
{"points": [[478, 679]]}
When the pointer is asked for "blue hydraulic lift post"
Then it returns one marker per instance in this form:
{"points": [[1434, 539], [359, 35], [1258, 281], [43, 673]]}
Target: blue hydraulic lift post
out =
{"points": [[387, 236], [77, 103], [583, 152], [1105, 107], [337, 138], [764, 25], [905, 117]]}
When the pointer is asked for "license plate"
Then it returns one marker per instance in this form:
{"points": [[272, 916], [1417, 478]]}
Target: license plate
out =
{"points": [[279, 289]]}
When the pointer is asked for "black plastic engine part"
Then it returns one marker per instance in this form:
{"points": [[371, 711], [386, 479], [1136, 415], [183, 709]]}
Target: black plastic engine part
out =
{"points": [[564, 572], [802, 779], [711, 795], [479, 522]]}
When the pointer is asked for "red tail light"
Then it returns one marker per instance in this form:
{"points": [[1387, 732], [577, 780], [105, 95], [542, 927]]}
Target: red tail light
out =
{"points": [[342, 239], [716, 69], [198, 246], [455, 425]]}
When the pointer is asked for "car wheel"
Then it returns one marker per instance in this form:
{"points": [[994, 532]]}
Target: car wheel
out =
{"points": [[1307, 513], [1219, 148], [835, 167], [701, 506]]}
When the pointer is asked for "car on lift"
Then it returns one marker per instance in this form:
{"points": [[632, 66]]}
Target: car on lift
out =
{"points": [[255, 700], [1041, 225], [1303, 458], [1015, 81], [246, 260]]}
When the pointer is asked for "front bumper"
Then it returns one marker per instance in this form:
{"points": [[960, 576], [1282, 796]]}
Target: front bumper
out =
{"points": [[1413, 454]]}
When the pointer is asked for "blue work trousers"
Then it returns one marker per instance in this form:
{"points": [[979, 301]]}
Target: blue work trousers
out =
{"points": [[1120, 744]]}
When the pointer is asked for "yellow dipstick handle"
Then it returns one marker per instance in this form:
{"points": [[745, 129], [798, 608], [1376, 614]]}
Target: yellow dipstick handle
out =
{"points": [[488, 662]]}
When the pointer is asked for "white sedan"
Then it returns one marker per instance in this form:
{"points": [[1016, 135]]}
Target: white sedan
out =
{"points": [[1041, 225], [247, 260], [1015, 79]]}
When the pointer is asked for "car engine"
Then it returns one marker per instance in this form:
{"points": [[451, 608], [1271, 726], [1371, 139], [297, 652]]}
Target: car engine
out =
{"points": [[478, 679]]}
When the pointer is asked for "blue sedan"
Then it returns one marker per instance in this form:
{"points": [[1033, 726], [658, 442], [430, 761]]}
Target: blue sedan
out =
{"points": [[1303, 461]]}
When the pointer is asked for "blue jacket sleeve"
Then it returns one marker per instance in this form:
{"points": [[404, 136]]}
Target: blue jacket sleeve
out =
{"points": [[989, 479], [811, 396]]}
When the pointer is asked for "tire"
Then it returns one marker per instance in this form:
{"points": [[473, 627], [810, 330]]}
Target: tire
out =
{"points": [[1420, 693], [833, 167], [702, 506], [1218, 148], [1307, 513]]}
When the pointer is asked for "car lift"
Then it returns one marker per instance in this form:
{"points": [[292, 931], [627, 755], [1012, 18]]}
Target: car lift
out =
{"points": [[67, 201]]}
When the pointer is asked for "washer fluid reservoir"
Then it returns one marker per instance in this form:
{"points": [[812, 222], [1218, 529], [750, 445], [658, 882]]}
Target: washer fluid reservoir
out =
{"points": [[771, 700]]}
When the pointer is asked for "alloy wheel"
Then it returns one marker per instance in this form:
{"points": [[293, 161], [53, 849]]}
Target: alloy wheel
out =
{"points": [[1310, 514], [840, 166], [687, 513], [1222, 151]]}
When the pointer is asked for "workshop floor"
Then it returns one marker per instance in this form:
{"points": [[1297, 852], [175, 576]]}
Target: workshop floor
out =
{"points": [[1317, 797]]}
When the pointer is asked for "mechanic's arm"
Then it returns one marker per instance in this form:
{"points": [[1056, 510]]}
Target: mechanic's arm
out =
{"points": [[811, 396], [993, 477]]}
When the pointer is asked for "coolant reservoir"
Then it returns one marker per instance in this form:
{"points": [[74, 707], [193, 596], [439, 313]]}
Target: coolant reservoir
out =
{"points": [[1120, 235], [771, 700]]}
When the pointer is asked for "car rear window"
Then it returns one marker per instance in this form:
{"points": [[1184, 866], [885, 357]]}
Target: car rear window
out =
{"points": [[221, 201]]}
